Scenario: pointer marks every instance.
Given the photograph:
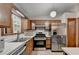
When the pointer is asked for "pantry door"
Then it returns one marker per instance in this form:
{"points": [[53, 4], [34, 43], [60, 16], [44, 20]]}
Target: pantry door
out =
{"points": [[71, 32]]}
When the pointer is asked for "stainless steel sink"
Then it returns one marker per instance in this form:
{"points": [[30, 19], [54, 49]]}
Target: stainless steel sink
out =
{"points": [[20, 40]]}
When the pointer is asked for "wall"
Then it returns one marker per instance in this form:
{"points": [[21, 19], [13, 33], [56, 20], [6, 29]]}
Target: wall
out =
{"points": [[74, 12], [61, 29]]}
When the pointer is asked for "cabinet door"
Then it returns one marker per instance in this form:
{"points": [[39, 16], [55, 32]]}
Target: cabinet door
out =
{"points": [[29, 45], [27, 50], [24, 24], [48, 43], [5, 13], [48, 46], [77, 32], [71, 32], [48, 40]]}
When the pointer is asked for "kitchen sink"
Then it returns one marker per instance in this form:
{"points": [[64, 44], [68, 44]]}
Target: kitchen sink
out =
{"points": [[20, 40]]}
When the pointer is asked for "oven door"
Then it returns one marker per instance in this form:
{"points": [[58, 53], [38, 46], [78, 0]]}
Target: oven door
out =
{"points": [[39, 43]]}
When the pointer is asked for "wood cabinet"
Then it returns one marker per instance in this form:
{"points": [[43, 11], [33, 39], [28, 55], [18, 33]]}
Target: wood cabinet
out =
{"points": [[71, 32], [30, 24], [5, 14], [29, 46], [77, 32], [24, 24], [48, 42]]}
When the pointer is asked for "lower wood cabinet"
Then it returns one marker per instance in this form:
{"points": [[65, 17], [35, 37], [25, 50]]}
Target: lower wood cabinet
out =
{"points": [[29, 46], [48, 42]]}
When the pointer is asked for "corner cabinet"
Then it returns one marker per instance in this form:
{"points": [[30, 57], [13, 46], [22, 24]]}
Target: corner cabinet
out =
{"points": [[5, 14]]}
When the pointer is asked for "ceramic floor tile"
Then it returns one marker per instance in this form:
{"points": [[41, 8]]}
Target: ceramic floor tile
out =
{"points": [[46, 52]]}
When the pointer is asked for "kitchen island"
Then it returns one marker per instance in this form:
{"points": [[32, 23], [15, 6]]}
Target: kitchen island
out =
{"points": [[71, 50]]}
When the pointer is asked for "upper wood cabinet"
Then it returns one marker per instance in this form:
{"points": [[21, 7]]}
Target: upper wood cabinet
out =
{"points": [[24, 25], [30, 24], [5, 14]]}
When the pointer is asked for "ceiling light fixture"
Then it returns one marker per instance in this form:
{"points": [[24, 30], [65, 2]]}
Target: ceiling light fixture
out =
{"points": [[20, 13], [53, 14]]}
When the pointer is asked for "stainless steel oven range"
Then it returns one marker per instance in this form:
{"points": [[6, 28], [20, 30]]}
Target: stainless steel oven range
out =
{"points": [[39, 41]]}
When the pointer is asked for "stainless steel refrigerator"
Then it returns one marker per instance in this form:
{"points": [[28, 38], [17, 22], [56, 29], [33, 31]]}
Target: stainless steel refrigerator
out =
{"points": [[58, 41]]}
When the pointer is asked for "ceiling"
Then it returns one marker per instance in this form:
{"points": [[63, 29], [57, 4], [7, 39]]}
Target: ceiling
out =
{"points": [[42, 10]]}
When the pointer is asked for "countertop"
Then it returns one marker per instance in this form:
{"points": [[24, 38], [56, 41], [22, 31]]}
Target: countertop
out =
{"points": [[10, 47], [48, 35], [71, 50]]}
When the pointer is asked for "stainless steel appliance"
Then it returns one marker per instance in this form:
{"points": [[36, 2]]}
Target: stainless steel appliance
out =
{"points": [[39, 40], [58, 41]]}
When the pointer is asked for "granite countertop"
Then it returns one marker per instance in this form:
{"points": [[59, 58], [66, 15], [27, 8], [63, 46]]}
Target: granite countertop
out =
{"points": [[71, 50], [10, 47], [48, 35]]}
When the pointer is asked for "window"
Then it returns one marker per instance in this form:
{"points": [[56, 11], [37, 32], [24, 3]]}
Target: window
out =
{"points": [[16, 23]]}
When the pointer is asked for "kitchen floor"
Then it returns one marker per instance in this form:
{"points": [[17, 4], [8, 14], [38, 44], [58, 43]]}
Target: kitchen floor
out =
{"points": [[45, 52]]}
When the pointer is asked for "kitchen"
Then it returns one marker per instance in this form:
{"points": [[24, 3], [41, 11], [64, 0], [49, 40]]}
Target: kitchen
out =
{"points": [[26, 30]]}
